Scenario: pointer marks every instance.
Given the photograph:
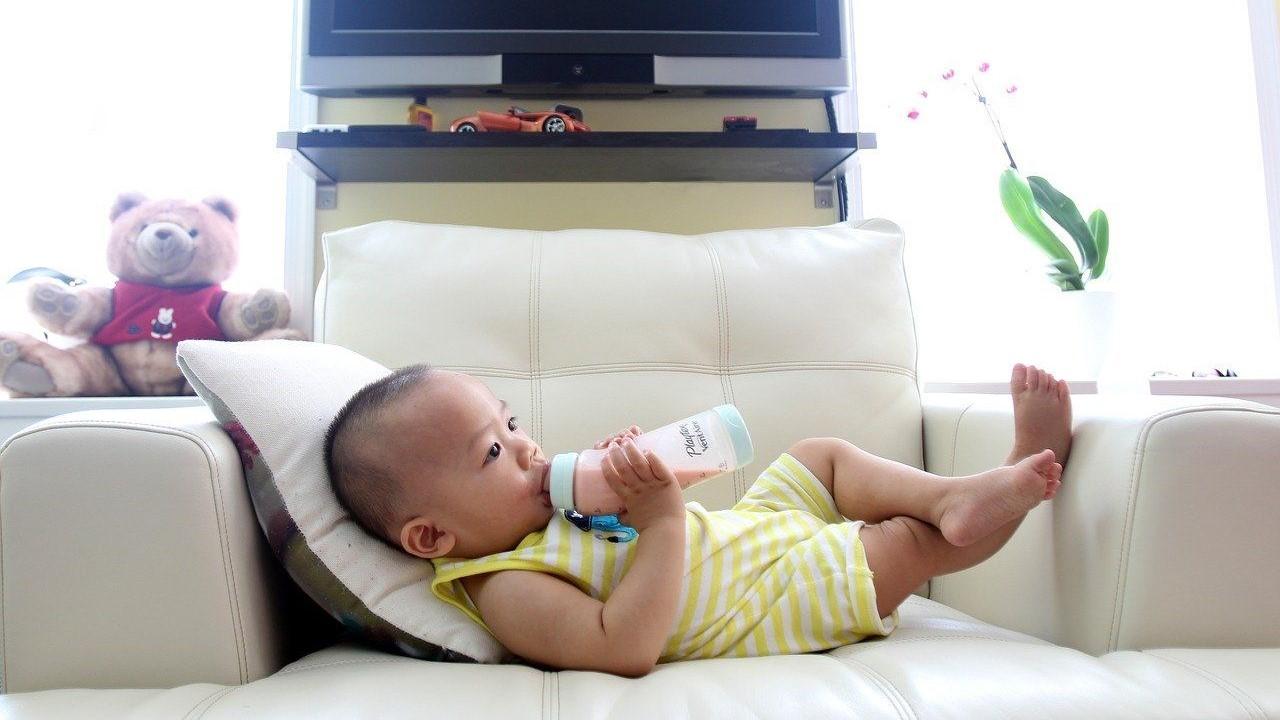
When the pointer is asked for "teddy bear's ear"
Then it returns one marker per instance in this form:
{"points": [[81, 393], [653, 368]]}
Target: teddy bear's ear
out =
{"points": [[124, 202], [223, 206]]}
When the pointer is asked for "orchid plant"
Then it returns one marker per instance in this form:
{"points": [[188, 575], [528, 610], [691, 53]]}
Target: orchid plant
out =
{"points": [[1026, 199]]}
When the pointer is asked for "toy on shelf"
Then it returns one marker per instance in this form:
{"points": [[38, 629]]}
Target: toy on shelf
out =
{"points": [[739, 122], [420, 114], [561, 118], [170, 257]]}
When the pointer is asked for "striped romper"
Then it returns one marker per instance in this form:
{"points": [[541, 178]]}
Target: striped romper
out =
{"points": [[780, 572]]}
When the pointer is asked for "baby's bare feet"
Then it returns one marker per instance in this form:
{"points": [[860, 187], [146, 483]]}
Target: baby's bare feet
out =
{"points": [[1041, 414], [981, 504]]}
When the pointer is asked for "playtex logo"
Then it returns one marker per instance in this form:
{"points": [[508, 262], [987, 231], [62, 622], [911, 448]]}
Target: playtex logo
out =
{"points": [[695, 440]]}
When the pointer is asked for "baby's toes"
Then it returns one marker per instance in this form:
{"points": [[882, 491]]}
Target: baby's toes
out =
{"points": [[1018, 381], [1051, 384], [1044, 461], [1052, 489]]}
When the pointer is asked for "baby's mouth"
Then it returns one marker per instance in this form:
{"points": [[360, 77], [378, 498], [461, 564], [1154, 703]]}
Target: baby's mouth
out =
{"points": [[544, 492]]}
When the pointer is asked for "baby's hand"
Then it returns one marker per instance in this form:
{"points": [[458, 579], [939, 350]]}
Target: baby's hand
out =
{"points": [[632, 431], [645, 483]]}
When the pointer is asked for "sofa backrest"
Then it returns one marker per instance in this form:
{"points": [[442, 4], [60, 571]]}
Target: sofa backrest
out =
{"points": [[808, 331]]}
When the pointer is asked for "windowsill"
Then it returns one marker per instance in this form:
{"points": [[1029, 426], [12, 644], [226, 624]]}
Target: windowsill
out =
{"points": [[1077, 387], [1262, 390]]}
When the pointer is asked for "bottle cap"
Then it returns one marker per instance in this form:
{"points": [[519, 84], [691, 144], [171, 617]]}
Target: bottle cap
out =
{"points": [[742, 446], [560, 479]]}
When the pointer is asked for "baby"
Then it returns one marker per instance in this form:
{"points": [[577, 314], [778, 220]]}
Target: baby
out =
{"points": [[819, 553]]}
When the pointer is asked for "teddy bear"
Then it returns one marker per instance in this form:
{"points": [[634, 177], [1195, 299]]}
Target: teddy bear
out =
{"points": [[169, 257]]}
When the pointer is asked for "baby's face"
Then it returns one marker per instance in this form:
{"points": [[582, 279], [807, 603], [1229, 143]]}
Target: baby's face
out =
{"points": [[472, 478]]}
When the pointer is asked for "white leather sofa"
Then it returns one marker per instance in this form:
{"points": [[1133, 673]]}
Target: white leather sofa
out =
{"points": [[135, 581]]}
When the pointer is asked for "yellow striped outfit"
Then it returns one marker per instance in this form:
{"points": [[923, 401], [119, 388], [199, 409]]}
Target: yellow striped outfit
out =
{"points": [[780, 572]]}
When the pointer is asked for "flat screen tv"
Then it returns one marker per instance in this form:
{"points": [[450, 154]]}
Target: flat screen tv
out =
{"points": [[747, 47]]}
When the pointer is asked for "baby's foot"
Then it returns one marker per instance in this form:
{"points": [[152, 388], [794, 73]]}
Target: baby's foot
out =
{"points": [[981, 504], [1041, 414]]}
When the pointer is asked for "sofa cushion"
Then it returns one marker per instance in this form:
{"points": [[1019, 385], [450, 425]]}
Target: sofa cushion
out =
{"points": [[938, 663], [276, 398], [808, 331]]}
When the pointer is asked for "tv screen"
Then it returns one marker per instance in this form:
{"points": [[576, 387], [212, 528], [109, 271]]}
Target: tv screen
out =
{"points": [[757, 28]]}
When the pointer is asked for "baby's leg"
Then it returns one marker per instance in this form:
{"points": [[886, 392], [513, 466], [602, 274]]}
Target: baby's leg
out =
{"points": [[966, 509], [904, 552]]}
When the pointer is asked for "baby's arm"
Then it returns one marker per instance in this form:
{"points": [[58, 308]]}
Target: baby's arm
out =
{"points": [[543, 618]]}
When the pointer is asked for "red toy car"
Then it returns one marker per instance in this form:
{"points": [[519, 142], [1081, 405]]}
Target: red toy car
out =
{"points": [[562, 118]]}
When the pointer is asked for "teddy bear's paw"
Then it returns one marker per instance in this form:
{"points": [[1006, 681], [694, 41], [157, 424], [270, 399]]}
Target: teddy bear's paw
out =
{"points": [[54, 303], [262, 311], [20, 375]]}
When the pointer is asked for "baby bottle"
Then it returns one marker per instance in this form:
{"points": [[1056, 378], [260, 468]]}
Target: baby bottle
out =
{"points": [[697, 448]]}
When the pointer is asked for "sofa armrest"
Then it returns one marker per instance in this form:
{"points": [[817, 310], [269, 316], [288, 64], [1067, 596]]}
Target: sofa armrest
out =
{"points": [[130, 555], [1164, 532]]}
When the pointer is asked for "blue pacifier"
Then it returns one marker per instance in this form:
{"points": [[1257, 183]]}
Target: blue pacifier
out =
{"points": [[608, 525], [614, 531]]}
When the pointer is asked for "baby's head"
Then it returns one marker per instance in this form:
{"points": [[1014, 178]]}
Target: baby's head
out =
{"points": [[432, 463]]}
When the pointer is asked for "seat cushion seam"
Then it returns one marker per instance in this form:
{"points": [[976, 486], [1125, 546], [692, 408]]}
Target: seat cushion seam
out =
{"points": [[893, 641], [935, 583], [955, 438], [669, 366], [900, 702], [4, 626], [542, 704], [533, 395], [213, 699], [725, 340], [304, 668], [1231, 688], [536, 368], [1122, 560], [556, 696], [229, 571]]}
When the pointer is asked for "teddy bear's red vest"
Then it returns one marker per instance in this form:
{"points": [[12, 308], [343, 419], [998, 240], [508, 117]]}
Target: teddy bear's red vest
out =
{"points": [[137, 313]]}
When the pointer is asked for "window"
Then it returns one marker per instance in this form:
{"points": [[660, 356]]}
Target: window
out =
{"points": [[169, 99], [1146, 109]]}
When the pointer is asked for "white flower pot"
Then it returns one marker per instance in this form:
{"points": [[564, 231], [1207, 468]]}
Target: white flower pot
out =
{"points": [[1086, 323]]}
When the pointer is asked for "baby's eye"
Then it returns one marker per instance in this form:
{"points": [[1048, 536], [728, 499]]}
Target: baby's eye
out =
{"points": [[495, 449]]}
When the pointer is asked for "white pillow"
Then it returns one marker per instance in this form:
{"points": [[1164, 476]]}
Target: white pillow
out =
{"points": [[276, 399]]}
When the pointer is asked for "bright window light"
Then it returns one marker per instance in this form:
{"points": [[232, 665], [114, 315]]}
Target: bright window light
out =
{"points": [[172, 99], [1146, 109]]}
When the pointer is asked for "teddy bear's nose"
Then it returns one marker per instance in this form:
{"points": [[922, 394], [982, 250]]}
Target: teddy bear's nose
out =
{"points": [[165, 243], [165, 247]]}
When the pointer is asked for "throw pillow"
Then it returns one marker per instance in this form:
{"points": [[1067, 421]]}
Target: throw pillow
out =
{"points": [[276, 399]]}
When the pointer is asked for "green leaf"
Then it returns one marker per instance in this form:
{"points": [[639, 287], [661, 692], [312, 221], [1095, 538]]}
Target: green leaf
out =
{"points": [[1065, 266], [1064, 212], [1020, 206], [1100, 229], [1065, 276]]}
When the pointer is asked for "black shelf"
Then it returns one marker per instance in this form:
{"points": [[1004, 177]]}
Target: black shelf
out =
{"points": [[739, 156]]}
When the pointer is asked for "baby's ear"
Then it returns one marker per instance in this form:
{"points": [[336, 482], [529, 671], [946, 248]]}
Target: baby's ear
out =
{"points": [[422, 538]]}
